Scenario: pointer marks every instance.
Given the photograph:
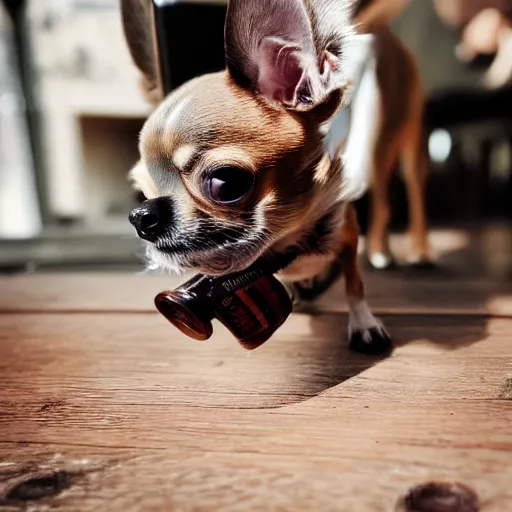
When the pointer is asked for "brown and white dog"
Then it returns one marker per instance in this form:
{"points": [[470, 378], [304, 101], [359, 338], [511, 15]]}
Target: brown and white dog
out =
{"points": [[237, 164]]}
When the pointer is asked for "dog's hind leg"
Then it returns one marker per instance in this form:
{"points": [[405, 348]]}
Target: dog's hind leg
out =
{"points": [[415, 169], [384, 161]]}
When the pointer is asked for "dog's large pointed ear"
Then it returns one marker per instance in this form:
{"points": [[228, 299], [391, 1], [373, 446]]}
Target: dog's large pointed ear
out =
{"points": [[137, 21], [281, 49]]}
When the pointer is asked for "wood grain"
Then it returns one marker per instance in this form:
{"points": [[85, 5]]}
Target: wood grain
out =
{"points": [[394, 293], [117, 411], [105, 406]]}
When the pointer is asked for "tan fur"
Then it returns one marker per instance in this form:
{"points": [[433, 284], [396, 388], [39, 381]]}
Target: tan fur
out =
{"points": [[278, 145], [245, 134], [349, 238], [401, 133], [137, 19], [401, 136], [345, 251], [267, 135], [240, 122], [378, 13]]}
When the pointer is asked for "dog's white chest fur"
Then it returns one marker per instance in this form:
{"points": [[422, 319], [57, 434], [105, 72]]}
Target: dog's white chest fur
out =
{"points": [[352, 134]]}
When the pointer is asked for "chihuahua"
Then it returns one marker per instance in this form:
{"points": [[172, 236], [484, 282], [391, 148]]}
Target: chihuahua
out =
{"points": [[242, 163]]}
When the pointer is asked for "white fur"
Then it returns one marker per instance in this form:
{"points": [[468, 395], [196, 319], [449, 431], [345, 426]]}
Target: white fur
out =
{"points": [[157, 260], [360, 125], [237, 251], [362, 320], [380, 260], [142, 181], [352, 134], [357, 157], [183, 154], [174, 116]]}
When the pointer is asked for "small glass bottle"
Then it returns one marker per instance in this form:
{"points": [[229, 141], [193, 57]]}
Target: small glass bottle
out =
{"points": [[252, 304]]}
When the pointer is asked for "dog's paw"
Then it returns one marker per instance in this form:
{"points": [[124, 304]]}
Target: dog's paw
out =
{"points": [[370, 341], [380, 260]]}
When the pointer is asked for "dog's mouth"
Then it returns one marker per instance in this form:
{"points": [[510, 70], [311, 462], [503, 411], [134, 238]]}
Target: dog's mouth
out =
{"points": [[225, 250], [213, 262], [214, 251]]}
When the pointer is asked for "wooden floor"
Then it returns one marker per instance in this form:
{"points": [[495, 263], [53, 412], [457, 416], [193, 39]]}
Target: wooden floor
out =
{"points": [[105, 407]]}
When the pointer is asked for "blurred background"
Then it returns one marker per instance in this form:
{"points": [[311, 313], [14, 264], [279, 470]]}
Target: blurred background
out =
{"points": [[71, 110]]}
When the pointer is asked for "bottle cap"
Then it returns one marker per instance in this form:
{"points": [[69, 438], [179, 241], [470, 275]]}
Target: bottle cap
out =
{"points": [[190, 318]]}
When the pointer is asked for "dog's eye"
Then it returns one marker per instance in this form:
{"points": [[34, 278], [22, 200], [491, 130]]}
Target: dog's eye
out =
{"points": [[228, 184]]}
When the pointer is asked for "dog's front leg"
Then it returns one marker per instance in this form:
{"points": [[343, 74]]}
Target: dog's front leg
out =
{"points": [[366, 334]]}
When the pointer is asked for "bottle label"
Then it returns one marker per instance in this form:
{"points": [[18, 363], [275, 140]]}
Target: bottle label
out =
{"points": [[238, 282], [253, 309]]}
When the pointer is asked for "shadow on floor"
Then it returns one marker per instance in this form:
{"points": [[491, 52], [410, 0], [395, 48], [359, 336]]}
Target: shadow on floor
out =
{"points": [[307, 357], [334, 363]]}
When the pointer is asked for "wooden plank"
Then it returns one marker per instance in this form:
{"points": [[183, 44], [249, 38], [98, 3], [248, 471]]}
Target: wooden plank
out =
{"points": [[387, 293], [126, 411], [255, 480], [471, 279], [133, 357]]}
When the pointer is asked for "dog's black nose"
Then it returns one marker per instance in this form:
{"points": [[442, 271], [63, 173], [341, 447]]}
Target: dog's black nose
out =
{"points": [[151, 218]]}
